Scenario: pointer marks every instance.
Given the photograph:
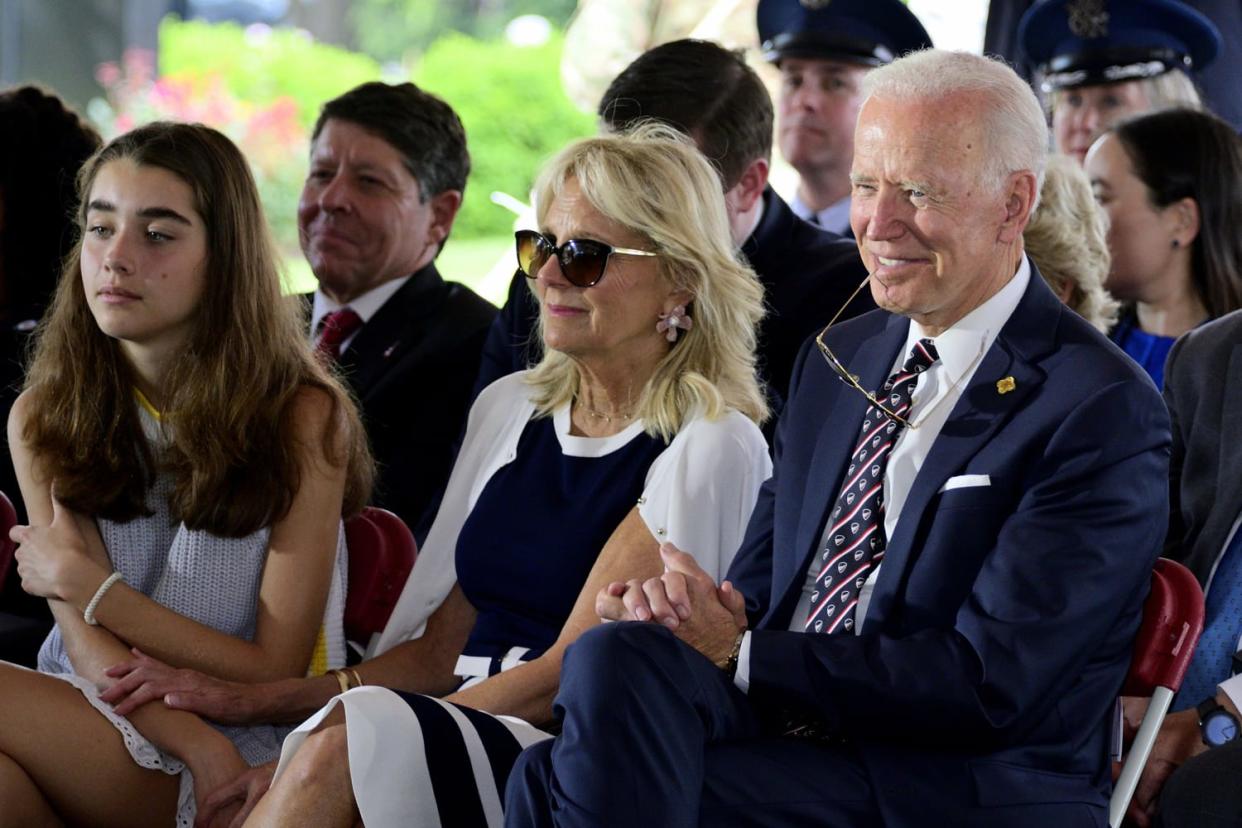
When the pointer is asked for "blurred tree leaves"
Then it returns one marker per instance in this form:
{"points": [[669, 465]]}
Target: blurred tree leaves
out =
{"points": [[515, 112], [398, 30]]}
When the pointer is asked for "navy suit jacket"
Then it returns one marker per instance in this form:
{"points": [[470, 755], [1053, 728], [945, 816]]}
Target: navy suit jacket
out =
{"points": [[1001, 623]]}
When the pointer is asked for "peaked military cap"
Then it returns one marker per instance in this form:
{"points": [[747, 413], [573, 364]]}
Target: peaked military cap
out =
{"points": [[1084, 42], [868, 32]]}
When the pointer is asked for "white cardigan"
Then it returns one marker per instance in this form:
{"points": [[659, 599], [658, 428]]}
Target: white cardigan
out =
{"points": [[699, 494]]}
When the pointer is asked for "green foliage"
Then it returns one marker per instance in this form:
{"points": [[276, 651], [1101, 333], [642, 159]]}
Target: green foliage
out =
{"points": [[391, 29], [260, 65], [264, 88], [394, 30], [515, 113]]}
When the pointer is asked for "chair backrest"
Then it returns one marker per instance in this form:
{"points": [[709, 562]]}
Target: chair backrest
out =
{"points": [[381, 555], [8, 519], [1172, 624]]}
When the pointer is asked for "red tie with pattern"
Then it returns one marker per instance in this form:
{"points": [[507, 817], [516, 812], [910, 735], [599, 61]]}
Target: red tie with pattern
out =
{"points": [[334, 329], [855, 538]]}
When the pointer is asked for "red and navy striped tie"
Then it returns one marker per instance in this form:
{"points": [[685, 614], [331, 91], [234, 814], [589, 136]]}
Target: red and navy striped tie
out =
{"points": [[855, 538]]}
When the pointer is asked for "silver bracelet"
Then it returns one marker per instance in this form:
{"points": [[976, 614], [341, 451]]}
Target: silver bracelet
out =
{"points": [[88, 615]]}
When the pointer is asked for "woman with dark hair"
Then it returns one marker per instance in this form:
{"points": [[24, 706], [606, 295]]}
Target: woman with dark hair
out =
{"points": [[177, 504], [42, 146], [1171, 184]]}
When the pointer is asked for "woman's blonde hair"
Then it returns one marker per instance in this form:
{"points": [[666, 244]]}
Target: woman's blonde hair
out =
{"points": [[653, 181], [1164, 91], [1172, 89], [1066, 240]]}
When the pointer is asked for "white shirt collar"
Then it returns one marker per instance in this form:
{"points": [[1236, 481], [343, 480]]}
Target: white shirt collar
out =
{"points": [[961, 346], [834, 217], [366, 305]]}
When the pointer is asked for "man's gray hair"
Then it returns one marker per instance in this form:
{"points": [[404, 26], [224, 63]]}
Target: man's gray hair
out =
{"points": [[1013, 118]]}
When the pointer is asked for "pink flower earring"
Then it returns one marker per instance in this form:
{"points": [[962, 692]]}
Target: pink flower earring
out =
{"points": [[671, 321]]}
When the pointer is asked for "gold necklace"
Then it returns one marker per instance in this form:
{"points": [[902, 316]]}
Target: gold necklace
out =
{"points": [[600, 415]]}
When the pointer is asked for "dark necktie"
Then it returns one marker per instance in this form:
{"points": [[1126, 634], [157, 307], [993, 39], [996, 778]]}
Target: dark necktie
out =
{"points": [[334, 329], [855, 538]]}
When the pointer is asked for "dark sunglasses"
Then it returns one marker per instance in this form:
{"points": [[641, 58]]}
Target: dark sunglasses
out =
{"points": [[582, 261]]}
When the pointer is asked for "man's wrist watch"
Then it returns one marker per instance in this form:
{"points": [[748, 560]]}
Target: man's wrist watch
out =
{"points": [[1216, 723]]}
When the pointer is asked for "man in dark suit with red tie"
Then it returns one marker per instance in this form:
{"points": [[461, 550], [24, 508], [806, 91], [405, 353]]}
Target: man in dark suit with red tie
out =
{"points": [[387, 169], [934, 606]]}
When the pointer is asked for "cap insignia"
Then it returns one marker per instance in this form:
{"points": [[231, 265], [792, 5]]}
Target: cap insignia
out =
{"points": [[814, 5], [1087, 18]]}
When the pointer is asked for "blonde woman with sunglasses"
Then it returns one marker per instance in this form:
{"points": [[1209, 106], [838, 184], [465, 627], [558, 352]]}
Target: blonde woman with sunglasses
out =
{"points": [[638, 427]]}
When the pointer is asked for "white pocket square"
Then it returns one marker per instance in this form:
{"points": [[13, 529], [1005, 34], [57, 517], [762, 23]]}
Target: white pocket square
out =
{"points": [[965, 481]]}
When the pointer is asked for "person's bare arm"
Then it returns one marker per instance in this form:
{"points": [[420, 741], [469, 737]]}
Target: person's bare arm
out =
{"points": [[526, 691], [297, 575], [421, 665], [209, 754]]}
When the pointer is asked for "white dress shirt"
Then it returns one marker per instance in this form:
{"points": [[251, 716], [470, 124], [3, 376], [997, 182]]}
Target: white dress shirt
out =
{"points": [[936, 393], [366, 306], [834, 217]]}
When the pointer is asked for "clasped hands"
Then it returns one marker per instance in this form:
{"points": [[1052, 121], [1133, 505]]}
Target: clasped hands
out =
{"points": [[684, 599], [53, 560]]}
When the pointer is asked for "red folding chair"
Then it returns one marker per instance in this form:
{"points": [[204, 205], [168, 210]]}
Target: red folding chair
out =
{"points": [[8, 519], [381, 555], [1172, 624]]}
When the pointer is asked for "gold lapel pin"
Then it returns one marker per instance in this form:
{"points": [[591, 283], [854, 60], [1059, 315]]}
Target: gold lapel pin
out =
{"points": [[1005, 385]]}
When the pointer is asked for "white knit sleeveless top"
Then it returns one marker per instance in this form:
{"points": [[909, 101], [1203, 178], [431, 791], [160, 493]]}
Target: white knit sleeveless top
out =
{"points": [[213, 580]]}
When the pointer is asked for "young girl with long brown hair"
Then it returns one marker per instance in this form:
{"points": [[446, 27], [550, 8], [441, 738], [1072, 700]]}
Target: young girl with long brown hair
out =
{"points": [[186, 463]]}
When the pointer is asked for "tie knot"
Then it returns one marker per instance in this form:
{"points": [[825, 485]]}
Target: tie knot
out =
{"points": [[922, 356], [334, 329]]}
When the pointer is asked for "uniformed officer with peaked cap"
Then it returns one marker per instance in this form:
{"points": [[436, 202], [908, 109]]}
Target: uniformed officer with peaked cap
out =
{"points": [[823, 48], [1102, 60]]}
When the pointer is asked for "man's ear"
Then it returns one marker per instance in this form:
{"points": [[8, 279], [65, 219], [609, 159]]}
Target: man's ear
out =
{"points": [[1021, 190], [749, 188], [444, 207]]}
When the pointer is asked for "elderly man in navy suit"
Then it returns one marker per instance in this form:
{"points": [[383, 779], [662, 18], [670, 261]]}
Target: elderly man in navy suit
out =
{"points": [[933, 610]]}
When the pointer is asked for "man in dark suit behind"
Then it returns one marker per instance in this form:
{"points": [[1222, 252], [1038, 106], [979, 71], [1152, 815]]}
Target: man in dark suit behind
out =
{"points": [[1192, 776], [387, 170], [710, 94], [944, 578]]}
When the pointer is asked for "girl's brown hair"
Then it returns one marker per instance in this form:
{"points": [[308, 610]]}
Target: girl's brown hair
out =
{"points": [[232, 447]]}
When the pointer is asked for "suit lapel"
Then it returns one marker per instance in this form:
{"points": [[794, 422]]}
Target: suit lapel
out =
{"points": [[1229, 480], [981, 410], [394, 328]]}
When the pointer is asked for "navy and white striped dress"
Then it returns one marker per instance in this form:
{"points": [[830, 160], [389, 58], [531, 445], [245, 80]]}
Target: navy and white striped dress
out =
{"points": [[521, 554]]}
